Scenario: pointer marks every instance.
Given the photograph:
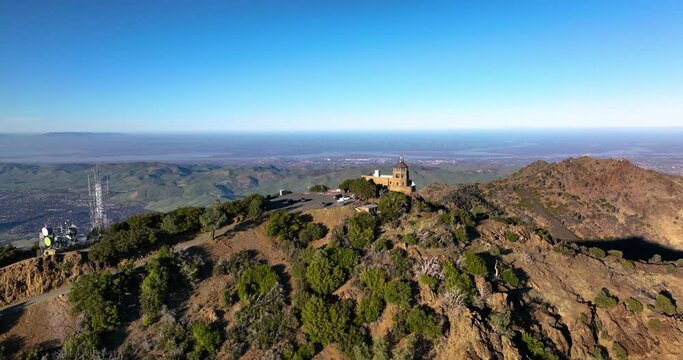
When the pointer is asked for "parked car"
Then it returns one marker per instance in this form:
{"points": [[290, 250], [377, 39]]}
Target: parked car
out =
{"points": [[343, 198]]}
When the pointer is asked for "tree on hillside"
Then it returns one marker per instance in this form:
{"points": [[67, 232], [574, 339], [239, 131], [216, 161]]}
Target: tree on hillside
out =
{"points": [[98, 297], [318, 188], [392, 205], [361, 228], [361, 188], [212, 219]]}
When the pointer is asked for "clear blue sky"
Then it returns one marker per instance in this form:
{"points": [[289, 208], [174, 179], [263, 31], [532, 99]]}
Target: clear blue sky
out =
{"points": [[152, 66]]}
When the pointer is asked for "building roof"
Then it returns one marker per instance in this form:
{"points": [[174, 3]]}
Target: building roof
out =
{"points": [[401, 164]]}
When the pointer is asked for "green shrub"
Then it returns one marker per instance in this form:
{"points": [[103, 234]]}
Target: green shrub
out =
{"points": [[236, 263], [619, 352], [401, 263], [627, 264], [265, 320], [655, 259], [665, 304], [324, 322], [213, 219], [284, 225], [256, 281], [429, 281], [679, 262], [206, 339], [654, 324], [361, 230], [512, 237], [323, 274], [80, 346], [584, 318], [182, 220], [369, 309], [361, 188], [454, 278], [509, 276], [392, 205], [410, 239], [344, 258], [616, 253], [460, 235], [421, 320], [599, 353], [604, 300], [563, 250], [311, 232], [634, 305], [375, 280], [474, 264], [501, 322], [155, 288], [98, 297], [597, 252], [536, 347], [318, 188], [398, 292], [671, 268]]}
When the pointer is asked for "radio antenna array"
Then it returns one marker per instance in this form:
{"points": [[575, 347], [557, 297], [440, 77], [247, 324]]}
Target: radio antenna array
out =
{"points": [[97, 191]]}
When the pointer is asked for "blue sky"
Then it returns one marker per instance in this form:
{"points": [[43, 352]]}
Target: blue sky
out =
{"points": [[166, 66]]}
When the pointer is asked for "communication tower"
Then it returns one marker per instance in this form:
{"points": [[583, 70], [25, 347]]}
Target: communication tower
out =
{"points": [[97, 191]]}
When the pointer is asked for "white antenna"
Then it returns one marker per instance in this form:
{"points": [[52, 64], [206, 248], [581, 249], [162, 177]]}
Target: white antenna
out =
{"points": [[98, 216]]}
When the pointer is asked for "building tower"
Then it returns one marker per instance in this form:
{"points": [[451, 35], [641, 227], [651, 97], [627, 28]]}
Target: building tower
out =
{"points": [[401, 177]]}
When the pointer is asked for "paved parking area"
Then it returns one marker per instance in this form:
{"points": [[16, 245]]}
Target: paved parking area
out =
{"points": [[306, 201]]}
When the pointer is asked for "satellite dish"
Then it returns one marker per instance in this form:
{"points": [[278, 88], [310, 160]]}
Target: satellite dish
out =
{"points": [[45, 231], [47, 241]]}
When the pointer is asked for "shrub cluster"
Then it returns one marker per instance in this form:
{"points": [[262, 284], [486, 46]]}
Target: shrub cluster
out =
{"points": [[256, 280], [325, 322], [369, 309], [454, 278], [392, 205], [634, 305], [665, 304], [509, 276], [361, 230], [318, 188], [474, 264], [536, 347], [182, 220], [361, 188], [398, 292], [98, 297], [597, 252], [292, 230], [604, 300], [162, 273], [264, 319], [329, 268]]}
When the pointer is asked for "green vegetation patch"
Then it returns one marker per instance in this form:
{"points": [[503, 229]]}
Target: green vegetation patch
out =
{"points": [[604, 300], [361, 230], [256, 280], [597, 253], [665, 304], [392, 205], [474, 263], [398, 292], [369, 309], [633, 305]]}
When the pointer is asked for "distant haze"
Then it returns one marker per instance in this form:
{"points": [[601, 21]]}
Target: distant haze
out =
{"points": [[652, 145]]}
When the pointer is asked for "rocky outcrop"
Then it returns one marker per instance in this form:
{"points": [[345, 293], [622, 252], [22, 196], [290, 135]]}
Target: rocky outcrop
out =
{"points": [[36, 276]]}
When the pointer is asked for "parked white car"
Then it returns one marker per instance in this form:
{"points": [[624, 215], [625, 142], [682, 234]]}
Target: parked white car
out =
{"points": [[343, 198]]}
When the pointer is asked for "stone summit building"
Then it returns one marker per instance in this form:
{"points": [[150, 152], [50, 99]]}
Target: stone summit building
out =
{"points": [[398, 181]]}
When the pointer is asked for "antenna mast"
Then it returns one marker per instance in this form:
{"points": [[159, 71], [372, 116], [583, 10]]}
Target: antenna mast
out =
{"points": [[98, 216]]}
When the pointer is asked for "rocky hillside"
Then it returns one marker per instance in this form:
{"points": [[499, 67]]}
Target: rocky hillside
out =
{"points": [[449, 279], [591, 199], [35, 276]]}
